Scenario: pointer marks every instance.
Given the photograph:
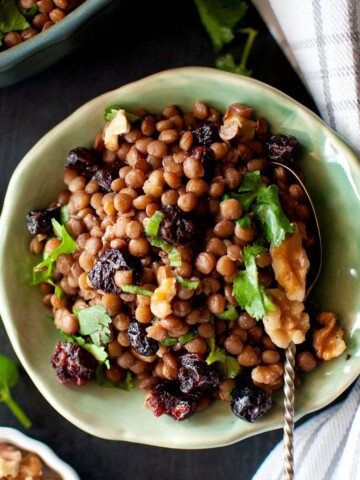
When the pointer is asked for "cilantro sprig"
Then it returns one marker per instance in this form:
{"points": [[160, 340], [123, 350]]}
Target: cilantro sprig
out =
{"points": [[127, 384], [42, 271], [169, 341], [188, 284], [11, 19], [98, 352], [9, 376], [250, 295], [254, 196], [173, 252], [152, 227], [110, 113], [228, 365], [230, 314], [222, 19], [94, 322], [136, 290]]}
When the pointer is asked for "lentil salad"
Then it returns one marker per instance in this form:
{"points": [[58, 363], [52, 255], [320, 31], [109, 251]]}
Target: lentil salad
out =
{"points": [[189, 267]]}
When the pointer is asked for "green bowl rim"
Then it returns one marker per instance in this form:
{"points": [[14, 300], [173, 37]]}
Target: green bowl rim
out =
{"points": [[56, 34], [26, 163]]}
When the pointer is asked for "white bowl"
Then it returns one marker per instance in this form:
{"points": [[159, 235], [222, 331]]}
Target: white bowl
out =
{"points": [[48, 456]]}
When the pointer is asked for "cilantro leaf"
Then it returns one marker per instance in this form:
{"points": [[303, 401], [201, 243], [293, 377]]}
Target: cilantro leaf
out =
{"points": [[220, 17], [98, 352], [64, 215], [94, 321], [250, 186], [229, 314], [216, 354], [251, 296], [9, 376], [56, 228], [187, 283], [126, 384], [153, 224], [227, 62], [189, 336], [270, 215], [136, 290], [10, 17], [228, 365], [244, 222], [28, 13], [110, 113], [173, 252], [169, 341], [43, 270]]}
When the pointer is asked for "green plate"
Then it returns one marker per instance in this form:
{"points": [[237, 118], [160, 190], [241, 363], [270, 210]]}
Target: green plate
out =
{"points": [[333, 177]]}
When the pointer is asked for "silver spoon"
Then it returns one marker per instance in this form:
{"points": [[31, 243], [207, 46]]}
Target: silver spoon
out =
{"points": [[289, 367]]}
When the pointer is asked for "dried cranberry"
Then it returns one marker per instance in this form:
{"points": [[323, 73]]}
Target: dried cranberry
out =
{"points": [[207, 159], [102, 274], [105, 175], [39, 221], [197, 376], [73, 364], [167, 398], [250, 402], [282, 148], [84, 161], [139, 340], [178, 227], [206, 134]]}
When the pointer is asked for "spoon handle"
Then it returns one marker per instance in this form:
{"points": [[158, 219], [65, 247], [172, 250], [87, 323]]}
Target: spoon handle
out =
{"points": [[289, 375]]}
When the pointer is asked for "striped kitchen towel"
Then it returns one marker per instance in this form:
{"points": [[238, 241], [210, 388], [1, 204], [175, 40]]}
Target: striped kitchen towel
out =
{"points": [[327, 447], [321, 39]]}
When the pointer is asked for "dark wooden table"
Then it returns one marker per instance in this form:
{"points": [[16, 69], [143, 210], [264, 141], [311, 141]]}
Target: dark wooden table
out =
{"points": [[135, 43]]}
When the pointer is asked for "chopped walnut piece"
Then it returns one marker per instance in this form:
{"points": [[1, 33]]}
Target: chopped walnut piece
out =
{"points": [[10, 459], [162, 296], [30, 467], [328, 341], [119, 125], [291, 264], [238, 115], [267, 374], [288, 323]]}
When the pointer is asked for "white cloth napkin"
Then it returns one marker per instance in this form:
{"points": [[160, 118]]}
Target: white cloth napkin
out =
{"points": [[327, 447], [321, 39]]}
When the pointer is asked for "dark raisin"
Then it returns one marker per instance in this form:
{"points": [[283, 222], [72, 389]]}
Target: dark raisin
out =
{"points": [[167, 398], [84, 161], [105, 175], [39, 221], [197, 376], [178, 227], [73, 364], [206, 134], [250, 402], [207, 159], [102, 274], [139, 340], [282, 148]]}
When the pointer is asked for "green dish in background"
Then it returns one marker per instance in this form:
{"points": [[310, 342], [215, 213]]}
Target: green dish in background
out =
{"points": [[332, 175], [46, 48]]}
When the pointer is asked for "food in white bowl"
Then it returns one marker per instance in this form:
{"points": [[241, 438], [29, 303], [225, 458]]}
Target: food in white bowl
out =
{"points": [[23, 458], [329, 166], [178, 256]]}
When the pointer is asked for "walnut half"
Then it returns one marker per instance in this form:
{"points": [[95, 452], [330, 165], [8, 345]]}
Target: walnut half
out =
{"points": [[328, 341], [291, 264], [288, 323]]}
